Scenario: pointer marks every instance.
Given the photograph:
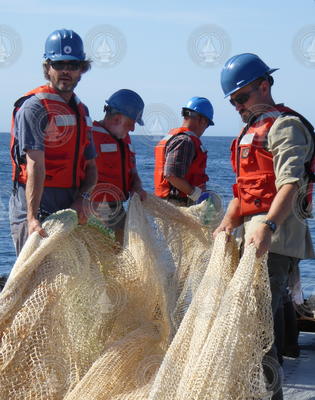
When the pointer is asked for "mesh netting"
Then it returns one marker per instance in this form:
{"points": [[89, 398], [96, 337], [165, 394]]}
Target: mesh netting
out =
{"points": [[169, 316]]}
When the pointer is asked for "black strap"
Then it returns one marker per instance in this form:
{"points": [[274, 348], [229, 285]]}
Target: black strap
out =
{"points": [[310, 128], [19, 102]]}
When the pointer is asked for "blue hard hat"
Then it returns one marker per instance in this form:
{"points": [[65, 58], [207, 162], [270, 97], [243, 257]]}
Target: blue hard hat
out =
{"points": [[64, 44], [202, 106], [242, 69], [128, 103]]}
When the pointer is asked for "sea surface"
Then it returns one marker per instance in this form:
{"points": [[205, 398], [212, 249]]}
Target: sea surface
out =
{"points": [[218, 169]]}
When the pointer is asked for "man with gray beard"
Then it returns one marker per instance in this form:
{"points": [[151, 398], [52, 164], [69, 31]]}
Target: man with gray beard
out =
{"points": [[52, 150]]}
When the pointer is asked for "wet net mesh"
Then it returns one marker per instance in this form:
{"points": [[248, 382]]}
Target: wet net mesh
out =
{"points": [[171, 315]]}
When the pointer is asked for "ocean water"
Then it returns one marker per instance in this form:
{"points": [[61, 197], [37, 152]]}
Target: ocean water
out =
{"points": [[218, 169]]}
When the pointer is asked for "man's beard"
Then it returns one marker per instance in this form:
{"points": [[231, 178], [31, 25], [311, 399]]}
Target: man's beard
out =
{"points": [[246, 116], [254, 111], [65, 86]]}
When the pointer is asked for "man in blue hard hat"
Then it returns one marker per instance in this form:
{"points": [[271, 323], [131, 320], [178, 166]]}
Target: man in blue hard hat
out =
{"points": [[180, 159], [272, 159], [117, 172], [52, 151]]}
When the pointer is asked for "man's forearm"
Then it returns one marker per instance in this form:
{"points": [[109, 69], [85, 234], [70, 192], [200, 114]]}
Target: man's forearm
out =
{"points": [[181, 184], [232, 217], [233, 212], [280, 209], [35, 183], [282, 204], [87, 185]]}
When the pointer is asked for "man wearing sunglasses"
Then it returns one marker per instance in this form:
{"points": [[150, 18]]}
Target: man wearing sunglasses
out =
{"points": [[180, 160], [52, 150], [272, 161]]}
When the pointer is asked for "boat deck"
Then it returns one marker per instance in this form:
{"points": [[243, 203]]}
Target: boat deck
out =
{"points": [[299, 373]]}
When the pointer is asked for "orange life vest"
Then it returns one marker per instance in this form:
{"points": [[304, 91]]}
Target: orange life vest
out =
{"points": [[253, 164], [196, 174], [115, 162], [65, 139]]}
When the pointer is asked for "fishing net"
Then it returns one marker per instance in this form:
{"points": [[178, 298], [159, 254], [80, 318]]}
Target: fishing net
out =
{"points": [[170, 316]]}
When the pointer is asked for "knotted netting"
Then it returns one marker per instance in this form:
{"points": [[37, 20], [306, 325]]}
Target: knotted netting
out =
{"points": [[171, 315]]}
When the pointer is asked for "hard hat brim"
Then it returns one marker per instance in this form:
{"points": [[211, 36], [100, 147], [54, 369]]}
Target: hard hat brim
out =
{"points": [[272, 70], [63, 58]]}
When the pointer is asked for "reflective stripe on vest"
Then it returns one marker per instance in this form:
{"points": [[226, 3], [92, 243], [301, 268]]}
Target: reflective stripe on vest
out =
{"points": [[64, 144], [65, 120], [114, 168], [253, 164]]}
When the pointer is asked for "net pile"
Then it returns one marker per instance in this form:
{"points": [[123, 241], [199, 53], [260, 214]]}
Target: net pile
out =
{"points": [[169, 316]]}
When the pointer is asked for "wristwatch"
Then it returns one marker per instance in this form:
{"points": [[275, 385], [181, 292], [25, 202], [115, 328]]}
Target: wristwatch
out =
{"points": [[85, 195], [271, 225]]}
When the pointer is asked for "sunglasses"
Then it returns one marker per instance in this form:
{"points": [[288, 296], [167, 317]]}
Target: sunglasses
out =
{"points": [[242, 98], [194, 114], [69, 65]]}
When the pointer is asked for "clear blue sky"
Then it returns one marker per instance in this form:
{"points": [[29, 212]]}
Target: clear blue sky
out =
{"points": [[157, 64]]}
